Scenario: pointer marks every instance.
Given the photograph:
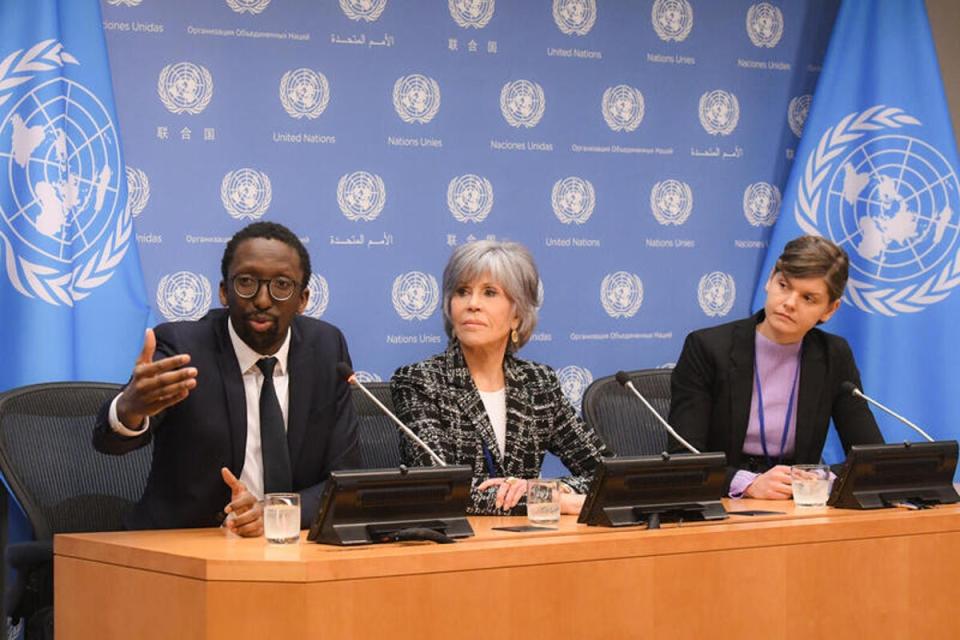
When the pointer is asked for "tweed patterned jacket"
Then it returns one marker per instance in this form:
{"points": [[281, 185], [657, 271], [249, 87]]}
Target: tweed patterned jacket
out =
{"points": [[439, 401]]}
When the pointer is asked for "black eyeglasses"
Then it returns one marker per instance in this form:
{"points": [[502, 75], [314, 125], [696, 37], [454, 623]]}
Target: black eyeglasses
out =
{"points": [[280, 288]]}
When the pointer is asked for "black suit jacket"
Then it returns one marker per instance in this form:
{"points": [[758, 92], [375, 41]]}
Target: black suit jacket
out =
{"points": [[712, 386], [438, 399], [208, 429]]}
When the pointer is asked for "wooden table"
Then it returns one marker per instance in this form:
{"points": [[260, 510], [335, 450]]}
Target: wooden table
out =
{"points": [[819, 573]]}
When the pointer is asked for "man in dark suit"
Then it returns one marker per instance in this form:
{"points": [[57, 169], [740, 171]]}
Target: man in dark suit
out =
{"points": [[248, 392]]}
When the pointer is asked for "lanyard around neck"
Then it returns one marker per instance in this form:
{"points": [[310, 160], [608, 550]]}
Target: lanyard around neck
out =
{"points": [[760, 417]]}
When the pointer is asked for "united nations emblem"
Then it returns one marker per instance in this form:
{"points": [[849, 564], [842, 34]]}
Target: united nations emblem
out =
{"points": [[671, 202], [361, 195], [471, 13], [719, 112], [319, 296], [138, 190], [623, 107], [672, 19], [368, 10], [183, 296], [246, 193], [63, 220], [304, 93], [797, 113], [522, 103], [416, 98], [574, 381], [248, 6], [716, 293], [185, 87], [891, 200], [573, 200], [415, 295], [621, 294], [764, 24], [470, 198], [761, 204], [575, 17], [365, 377]]}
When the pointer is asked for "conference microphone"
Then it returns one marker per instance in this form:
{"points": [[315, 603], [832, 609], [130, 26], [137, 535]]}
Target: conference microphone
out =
{"points": [[624, 379], [344, 370], [852, 389]]}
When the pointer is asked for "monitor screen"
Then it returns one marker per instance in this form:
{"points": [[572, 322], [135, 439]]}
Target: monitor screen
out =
{"points": [[882, 475], [629, 490], [373, 505]]}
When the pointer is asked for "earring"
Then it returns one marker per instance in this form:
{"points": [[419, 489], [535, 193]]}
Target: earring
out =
{"points": [[515, 337]]}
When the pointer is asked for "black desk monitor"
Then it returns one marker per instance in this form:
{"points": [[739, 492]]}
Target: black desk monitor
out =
{"points": [[650, 489], [882, 475], [385, 505]]}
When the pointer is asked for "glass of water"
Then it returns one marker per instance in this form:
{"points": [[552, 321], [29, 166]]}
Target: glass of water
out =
{"points": [[543, 501], [811, 484], [281, 518]]}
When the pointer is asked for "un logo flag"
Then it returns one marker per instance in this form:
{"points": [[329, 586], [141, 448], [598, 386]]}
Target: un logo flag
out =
{"points": [[471, 13], [366, 10], [573, 200], [416, 98], [304, 93], [246, 193], [185, 87], [522, 103], [719, 112], [891, 200], [761, 204], [470, 198], [361, 195], [764, 24], [574, 381], [575, 17], [183, 295], [63, 217], [671, 202], [415, 295], [716, 293], [621, 294], [672, 19]]}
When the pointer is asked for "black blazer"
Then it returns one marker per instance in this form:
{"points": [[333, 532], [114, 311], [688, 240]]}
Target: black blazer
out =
{"points": [[712, 386], [439, 401], [208, 429]]}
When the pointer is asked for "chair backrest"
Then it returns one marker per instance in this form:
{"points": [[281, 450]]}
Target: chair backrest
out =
{"points": [[48, 459], [379, 438], [622, 420]]}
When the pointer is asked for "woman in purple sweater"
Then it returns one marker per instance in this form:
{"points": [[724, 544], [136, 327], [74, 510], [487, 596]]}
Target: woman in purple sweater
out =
{"points": [[764, 389]]}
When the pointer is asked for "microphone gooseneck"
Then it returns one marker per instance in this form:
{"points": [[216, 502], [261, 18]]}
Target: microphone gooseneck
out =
{"points": [[344, 370], [852, 389], [624, 379]]}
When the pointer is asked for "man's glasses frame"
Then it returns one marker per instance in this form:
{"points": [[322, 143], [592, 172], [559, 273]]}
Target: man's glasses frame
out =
{"points": [[247, 286]]}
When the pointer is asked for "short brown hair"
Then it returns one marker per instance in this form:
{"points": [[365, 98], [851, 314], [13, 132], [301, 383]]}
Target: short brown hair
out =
{"points": [[815, 257]]}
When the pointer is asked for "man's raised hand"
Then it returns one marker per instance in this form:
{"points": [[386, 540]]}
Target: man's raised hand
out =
{"points": [[155, 385]]}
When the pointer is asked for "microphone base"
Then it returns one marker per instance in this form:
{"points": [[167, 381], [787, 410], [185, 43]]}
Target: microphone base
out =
{"points": [[654, 515]]}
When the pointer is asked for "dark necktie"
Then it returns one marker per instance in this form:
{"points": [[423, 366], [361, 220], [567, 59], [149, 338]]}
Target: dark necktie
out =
{"points": [[277, 476]]}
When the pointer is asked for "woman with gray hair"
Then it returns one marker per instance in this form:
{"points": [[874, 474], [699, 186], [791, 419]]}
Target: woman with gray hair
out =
{"points": [[477, 403]]}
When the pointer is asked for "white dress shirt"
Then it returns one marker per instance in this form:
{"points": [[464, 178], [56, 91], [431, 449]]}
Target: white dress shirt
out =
{"points": [[252, 472]]}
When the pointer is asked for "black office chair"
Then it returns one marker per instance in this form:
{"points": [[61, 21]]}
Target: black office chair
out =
{"points": [[63, 484], [622, 420], [379, 439]]}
